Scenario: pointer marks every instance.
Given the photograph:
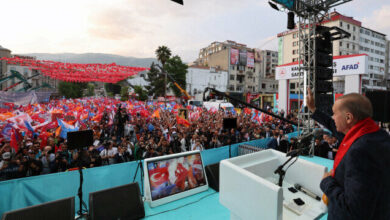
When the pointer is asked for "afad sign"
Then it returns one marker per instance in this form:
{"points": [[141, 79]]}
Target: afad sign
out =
{"points": [[342, 66]]}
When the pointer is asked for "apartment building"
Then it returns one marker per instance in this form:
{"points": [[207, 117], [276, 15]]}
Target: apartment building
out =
{"points": [[362, 40], [268, 62], [373, 43], [248, 72], [198, 78]]}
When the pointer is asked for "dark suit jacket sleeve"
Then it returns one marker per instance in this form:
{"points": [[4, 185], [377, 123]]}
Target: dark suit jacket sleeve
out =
{"points": [[361, 180], [328, 122]]}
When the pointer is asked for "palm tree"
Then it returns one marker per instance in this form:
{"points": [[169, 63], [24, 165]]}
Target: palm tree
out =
{"points": [[163, 54]]}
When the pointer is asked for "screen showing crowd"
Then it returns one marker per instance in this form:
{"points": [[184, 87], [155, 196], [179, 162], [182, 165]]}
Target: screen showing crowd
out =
{"points": [[175, 175]]}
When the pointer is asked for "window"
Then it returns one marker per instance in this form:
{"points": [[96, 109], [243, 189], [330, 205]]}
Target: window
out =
{"points": [[353, 37], [347, 45], [231, 77], [347, 26], [354, 29], [263, 85], [341, 44], [341, 23], [353, 47], [292, 85]]}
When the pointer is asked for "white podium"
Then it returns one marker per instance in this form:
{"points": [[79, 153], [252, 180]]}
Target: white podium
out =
{"points": [[248, 187]]}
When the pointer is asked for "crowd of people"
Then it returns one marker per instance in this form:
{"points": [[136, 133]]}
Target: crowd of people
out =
{"points": [[126, 137]]}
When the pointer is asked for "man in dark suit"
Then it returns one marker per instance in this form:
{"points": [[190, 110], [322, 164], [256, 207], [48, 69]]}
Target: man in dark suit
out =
{"points": [[273, 143], [358, 187]]}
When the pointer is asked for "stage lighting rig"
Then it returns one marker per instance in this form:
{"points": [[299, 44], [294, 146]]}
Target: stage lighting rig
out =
{"points": [[315, 53]]}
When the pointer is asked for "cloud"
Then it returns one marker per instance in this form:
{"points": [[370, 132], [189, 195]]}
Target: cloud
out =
{"points": [[117, 24], [379, 20]]}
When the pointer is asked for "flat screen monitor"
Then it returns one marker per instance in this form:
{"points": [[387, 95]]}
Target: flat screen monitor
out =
{"points": [[62, 209], [172, 177]]}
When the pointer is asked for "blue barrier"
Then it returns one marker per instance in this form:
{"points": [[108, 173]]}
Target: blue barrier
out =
{"points": [[20, 193]]}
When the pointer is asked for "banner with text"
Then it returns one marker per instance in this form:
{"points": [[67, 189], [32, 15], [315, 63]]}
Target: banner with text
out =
{"points": [[342, 66], [250, 60]]}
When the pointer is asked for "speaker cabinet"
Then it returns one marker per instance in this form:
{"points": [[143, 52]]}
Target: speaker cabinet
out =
{"points": [[212, 173], [62, 209], [122, 202], [380, 105]]}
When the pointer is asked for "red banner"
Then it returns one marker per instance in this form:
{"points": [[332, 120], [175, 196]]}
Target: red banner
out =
{"points": [[250, 60], [74, 72], [233, 56]]}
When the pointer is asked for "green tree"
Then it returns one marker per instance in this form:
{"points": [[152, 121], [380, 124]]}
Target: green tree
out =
{"points": [[178, 71], [156, 81], [163, 53], [71, 89], [172, 66], [124, 93], [90, 90], [142, 94]]}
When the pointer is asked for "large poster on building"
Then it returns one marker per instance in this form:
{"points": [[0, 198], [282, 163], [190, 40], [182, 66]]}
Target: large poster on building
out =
{"points": [[342, 66], [250, 60], [233, 56], [257, 55], [243, 58]]}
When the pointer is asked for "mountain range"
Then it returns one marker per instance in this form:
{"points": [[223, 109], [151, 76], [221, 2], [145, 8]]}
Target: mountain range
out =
{"points": [[94, 58]]}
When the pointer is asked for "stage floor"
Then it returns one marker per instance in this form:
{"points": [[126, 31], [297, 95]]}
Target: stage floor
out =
{"points": [[205, 205]]}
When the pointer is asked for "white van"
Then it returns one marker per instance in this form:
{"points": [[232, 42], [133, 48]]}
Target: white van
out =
{"points": [[195, 103], [218, 104]]}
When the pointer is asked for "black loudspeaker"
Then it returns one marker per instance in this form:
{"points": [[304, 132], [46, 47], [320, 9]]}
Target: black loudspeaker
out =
{"points": [[380, 101], [122, 202], [62, 209], [79, 139], [290, 20], [229, 123], [179, 1], [212, 173]]}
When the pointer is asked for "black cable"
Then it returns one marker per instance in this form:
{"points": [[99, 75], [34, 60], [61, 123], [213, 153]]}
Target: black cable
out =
{"points": [[182, 205], [290, 166]]}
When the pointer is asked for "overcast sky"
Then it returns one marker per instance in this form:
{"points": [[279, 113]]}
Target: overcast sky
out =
{"points": [[137, 27]]}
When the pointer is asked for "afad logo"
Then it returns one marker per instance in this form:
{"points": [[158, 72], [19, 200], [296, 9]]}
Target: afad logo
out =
{"points": [[350, 67]]}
